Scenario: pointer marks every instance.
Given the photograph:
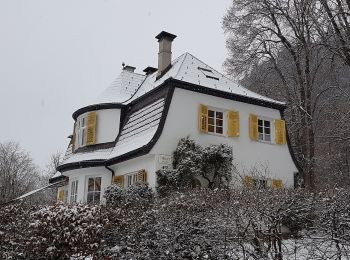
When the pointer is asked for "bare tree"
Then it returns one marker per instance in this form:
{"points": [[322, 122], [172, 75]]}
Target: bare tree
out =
{"points": [[333, 27], [18, 174], [281, 38]]}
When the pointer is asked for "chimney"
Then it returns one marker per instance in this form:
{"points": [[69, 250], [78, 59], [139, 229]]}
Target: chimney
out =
{"points": [[129, 68], [149, 70], [164, 55]]}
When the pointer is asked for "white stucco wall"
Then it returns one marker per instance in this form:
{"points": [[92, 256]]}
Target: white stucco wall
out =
{"points": [[182, 120], [82, 176], [146, 162], [108, 121]]}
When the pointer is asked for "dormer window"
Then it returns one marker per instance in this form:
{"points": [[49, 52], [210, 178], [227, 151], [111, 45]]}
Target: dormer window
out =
{"points": [[85, 130]]}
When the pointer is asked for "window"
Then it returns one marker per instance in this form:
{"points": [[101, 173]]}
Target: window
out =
{"points": [[94, 190], [81, 131], [260, 183], [74, 191], [264, 130], [131, 179], [215, 122]]}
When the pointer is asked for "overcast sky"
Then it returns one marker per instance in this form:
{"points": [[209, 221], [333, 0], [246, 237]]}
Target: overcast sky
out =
{"points": [[56, 56]]}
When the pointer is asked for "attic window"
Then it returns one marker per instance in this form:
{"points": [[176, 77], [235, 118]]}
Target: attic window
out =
{"points": [[208, 73], [205, 69]]}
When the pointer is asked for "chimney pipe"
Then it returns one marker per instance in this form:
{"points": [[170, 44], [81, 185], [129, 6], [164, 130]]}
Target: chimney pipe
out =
{"points": [[164, 55], [129, 68]]}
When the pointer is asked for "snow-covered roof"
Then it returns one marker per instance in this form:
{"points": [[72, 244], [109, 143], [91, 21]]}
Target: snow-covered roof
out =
{"points": [[138, 131], [189, 69], [129, 85], [122, 88]]}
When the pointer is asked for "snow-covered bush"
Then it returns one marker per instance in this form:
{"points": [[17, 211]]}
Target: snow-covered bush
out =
{"points": [[191, 162], [136, 195], [14, 223], [62, 231]]}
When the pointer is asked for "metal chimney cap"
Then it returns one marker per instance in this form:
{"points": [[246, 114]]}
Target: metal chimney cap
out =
{"points": [[167, 35]]}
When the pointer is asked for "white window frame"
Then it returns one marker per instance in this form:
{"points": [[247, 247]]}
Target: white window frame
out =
{"points": [[80, 131], [223, 119], [73, 197], [94, 191], [262, 135], [131, 178]]}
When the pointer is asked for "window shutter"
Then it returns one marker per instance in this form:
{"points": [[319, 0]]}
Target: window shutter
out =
{"points": [[233, 124], [277, 184], [91, 128], [253, 127], [248, 181], [280, 131], [61, 195], [142, 176], [74, 137], [203, 118], [119, 180]]}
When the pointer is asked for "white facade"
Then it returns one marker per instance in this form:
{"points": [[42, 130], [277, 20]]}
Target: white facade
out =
{"points": [[182, 121]]}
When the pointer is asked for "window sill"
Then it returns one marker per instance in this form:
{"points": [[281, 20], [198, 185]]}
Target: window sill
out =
{"points": [[215, 134]]}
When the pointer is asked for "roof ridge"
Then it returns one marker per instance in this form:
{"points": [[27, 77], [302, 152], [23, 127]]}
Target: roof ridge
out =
{"points": [[183, 59]]}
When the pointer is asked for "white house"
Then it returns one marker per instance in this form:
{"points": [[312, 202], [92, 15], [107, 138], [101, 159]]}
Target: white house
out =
{"points": [[133, 127]]}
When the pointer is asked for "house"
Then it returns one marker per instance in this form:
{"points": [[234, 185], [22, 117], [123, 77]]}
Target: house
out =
{"points": [[133, 127]]}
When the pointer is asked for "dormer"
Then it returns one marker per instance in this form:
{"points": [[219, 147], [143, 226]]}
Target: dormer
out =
{"points": [[99, 123]]}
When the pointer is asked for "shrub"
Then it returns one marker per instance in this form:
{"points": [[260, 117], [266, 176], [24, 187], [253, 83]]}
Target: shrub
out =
{"points": [[62, 231], [136, 195], [192, 162]]}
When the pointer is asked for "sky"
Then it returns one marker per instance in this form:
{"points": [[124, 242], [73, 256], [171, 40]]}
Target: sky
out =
{"points": [[56, 56]]}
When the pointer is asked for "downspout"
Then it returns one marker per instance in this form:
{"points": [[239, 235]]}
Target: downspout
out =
{"points": [[111, 170]]}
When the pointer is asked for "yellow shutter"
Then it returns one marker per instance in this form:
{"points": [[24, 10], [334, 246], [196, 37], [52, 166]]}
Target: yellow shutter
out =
{"points": [[142, 176], [61, 195], [277, 184], [203, 118], [253, 127], [233, 124], [248, 181], [280, 131], [91, 128], [74, 137], [119, 180]]}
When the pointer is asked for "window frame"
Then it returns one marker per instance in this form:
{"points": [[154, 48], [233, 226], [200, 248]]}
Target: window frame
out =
{"points": [[81, 131], [93, 191], [263, 133], [73, 196], [223, 119], [130, 179]]}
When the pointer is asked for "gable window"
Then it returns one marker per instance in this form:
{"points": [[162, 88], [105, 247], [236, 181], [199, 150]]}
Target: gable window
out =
{"points": [[74, 191], [264, 130], [215, 121], [93, 190]]}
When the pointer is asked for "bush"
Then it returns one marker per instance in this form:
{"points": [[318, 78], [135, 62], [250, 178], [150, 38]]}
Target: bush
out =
{"points": [[62, 231], [136, 195], [214, 164]]}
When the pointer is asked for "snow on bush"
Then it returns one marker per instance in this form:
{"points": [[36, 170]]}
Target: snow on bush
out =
{"points": [[65, 230], [213, 164], [139, 195]]}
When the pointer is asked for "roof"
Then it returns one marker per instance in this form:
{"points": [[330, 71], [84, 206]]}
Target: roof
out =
{"points": [[189, 69], [140, 125], [129, 85], [139, 129]]}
